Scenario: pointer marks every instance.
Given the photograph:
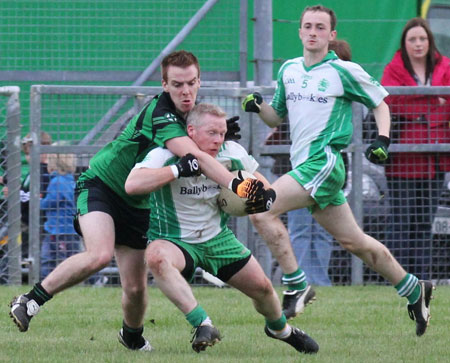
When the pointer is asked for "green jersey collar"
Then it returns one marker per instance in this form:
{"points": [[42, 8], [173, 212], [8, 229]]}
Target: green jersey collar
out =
{"points": [[331, 55]]}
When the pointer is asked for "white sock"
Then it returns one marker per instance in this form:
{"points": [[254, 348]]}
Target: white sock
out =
{"points": [[282, 334], [207, 321]]}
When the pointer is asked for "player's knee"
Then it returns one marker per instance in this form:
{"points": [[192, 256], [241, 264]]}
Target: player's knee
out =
{"points": [[135, 291], [352, 245], [157, 262], [264, 288], [100, 260]]}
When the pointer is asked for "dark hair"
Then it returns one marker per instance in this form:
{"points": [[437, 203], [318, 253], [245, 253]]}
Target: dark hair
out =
{"points": [[182, 59], [341, 48], [433, 55], [333, 19]]}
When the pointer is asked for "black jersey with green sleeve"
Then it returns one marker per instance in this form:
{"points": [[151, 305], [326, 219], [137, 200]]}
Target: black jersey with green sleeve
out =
{"points": [[156, 123]]}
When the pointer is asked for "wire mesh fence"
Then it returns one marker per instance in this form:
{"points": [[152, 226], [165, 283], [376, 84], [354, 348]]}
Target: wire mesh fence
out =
{"points": [[114, 42], [86, 35], [401, 214]]}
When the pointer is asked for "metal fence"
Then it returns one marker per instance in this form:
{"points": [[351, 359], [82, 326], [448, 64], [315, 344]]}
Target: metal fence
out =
{"points": [[70, 113], [10, 166]]}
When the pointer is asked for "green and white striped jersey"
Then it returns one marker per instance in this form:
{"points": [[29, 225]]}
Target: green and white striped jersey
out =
{"points": [[318, 99], [187, 208]]}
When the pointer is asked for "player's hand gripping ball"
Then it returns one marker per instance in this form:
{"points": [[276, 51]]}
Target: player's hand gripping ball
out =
{"points": [[229, 201], [257, 200]]}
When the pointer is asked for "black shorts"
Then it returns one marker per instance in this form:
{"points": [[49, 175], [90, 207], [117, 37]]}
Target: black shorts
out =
{"points": [[130, 224]]}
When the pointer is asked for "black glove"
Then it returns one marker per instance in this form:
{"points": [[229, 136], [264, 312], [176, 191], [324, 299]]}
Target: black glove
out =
{"points": [[252, 103], [377, 152], [261, 204], [247, 188], [188, 166], [233, 129]]}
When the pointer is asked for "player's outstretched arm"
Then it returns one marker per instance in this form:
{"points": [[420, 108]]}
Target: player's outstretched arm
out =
{"points": [[255, 103], [145, 180]]}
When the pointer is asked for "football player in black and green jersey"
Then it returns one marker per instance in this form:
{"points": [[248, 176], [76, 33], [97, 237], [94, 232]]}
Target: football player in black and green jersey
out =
{"points": [[114, 223]]}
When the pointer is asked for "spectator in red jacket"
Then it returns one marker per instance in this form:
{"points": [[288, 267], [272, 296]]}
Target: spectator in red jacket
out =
{"points": [[415, 179]]}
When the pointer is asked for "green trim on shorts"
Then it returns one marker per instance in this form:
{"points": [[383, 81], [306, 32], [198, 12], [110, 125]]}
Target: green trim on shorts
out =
{"points": [[212, 255], [324, 175], [82, 197]]}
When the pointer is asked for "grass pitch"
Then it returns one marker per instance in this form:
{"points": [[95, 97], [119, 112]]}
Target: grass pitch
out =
{"points": [[351, 324]]}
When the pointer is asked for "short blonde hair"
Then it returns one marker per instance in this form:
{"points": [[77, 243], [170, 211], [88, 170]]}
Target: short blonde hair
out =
{"points": [[62, 163], [194, 117]]}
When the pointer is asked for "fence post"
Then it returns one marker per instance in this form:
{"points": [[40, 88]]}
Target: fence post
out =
{"points": [[263, 43], [13, 183], [263, 49], [243, 44], [357, 185], [34, 220]]}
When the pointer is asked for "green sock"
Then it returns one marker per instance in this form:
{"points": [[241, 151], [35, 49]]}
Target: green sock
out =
{"points": [[278, 324], [295, 280], [196, 316], [409, 287]]}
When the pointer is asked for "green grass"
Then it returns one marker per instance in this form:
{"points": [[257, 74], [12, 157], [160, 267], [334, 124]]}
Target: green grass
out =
{"points": [[351, 324]]}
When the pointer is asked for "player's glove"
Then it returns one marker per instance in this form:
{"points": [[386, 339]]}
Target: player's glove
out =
{"points": [[188, 166], [247, 188], [262, 203], [233, 129], [252, 103], [377, 152]]}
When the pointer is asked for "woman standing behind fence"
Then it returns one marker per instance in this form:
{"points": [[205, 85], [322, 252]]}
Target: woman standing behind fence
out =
{"points": [[61, 240], [415, 179]]}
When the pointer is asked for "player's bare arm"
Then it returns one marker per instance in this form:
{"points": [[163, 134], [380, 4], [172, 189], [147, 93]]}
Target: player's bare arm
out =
{"points": [[147, 180], [382, 118], [144, 180], [269, 116], [377, 152]]}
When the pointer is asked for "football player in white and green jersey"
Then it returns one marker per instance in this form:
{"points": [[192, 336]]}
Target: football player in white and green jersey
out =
{"points": [[315, 92], [188, 230], [186, 209]]}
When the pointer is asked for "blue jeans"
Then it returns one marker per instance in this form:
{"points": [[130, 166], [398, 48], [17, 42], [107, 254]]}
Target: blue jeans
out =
{"points": [[56, 248], [312, 246]]}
